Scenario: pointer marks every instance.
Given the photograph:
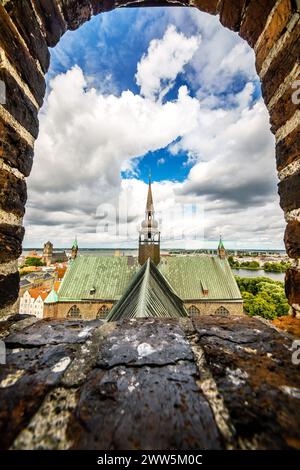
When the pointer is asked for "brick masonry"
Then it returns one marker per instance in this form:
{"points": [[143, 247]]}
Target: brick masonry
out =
{"points": [[88, 310], [29, 27]]}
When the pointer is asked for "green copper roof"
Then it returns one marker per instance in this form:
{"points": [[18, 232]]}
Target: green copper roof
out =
{"points": [[190, 276], [148, 295], [221, 244], [75, 244], [52, 297], [97, 277], [107, 277]]}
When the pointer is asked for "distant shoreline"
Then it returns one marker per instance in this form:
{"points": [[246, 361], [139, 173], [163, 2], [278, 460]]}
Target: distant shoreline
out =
{"points": [[171, 250]]}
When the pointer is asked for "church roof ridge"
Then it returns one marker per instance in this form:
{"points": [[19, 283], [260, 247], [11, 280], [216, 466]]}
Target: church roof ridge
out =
{"points": [[148, 295]]}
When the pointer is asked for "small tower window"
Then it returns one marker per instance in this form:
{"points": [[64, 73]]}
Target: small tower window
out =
{"points": [[193, 310], [222, 311]]}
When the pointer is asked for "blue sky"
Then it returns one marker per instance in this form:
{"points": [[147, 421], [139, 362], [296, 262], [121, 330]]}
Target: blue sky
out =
{"points": [[166, 90]]}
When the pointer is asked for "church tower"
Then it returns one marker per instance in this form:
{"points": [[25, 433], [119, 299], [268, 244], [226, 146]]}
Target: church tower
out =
{"points": [[47, 253], [74, 249], [149, 235], [221, 249]]}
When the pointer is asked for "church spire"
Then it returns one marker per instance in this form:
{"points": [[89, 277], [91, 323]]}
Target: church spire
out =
{"points": [[74, 249], [149, 238], [221, 248], [149, 206]]}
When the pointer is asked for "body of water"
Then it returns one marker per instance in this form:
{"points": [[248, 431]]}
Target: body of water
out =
{"points": [[259, 273]]}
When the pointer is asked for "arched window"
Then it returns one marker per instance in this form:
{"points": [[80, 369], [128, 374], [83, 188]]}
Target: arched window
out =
{"points": [[74, 312], [222, 311], [103, 311], [193, 310]]}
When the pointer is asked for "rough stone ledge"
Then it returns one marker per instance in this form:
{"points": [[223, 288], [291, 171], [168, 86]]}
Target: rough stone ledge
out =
{"points": [[210, 383]]}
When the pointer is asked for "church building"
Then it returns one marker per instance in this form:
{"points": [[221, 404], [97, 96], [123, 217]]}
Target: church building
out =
{"points": [[114, 288], [50, 257]]}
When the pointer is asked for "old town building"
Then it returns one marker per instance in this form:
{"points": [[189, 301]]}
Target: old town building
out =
{"points": [[51, 257]]}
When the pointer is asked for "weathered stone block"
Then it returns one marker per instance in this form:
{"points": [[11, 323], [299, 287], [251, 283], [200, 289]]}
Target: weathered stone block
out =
{"points": [[9, 288], [20, 57], [255, 19], [11, 237], [26, 22], [33, 372], [54, 332], [283, 110], [99, 6], [231, 16], [289, 191], [128, 345], [288, 149], [19, 105], [282, 64], [76, 13], [251, 365], [292, 286], [15, 150], [159, 408], [209, 6], [275, 29], [292, 239], [52, 21], [13, 193]]}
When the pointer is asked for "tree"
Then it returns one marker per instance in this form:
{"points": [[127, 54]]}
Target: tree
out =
{"points": [[276, 267], [250, 265], [263, 296], [32, 261], [233, 262]]}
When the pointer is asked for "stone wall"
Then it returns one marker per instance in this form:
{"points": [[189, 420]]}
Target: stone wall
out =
{"points": [[29, 27], [209, 308], [88, 310], [202, 383]]}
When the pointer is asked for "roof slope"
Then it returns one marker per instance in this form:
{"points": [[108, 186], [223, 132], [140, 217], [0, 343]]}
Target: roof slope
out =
{"points": [[191, 275], [96, 277], [52, 297], [36, 292], [148, 295]]}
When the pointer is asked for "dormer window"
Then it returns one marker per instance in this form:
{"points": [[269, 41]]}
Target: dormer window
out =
{"points": [[92, 291]]}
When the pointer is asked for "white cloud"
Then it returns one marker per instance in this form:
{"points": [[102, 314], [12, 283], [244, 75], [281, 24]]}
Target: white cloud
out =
{"points": [[164, 60], [87, 137]]}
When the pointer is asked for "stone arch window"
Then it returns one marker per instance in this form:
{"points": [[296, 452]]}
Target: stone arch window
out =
{"points": [[103, 311], [222, 311], [74, 312], [193, 311], [274, 42]]}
